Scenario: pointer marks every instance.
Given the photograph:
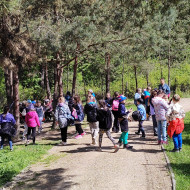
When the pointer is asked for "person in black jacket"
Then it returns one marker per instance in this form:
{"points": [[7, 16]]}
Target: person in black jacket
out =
{"points": [[115, 105], [91, 110], [123, 123], [105, 123]]}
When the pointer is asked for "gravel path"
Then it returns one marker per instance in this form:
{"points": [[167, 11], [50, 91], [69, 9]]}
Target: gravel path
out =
{"points": [[79, 166]]}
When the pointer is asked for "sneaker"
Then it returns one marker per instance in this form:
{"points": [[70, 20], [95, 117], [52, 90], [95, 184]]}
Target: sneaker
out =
{"points": [[78, 137], [180, 149], [155, 134], [116, 148], [128, 146], [164, 142], [99, 149], [137, 133], [175, 150], [63, 143], [11, 149], [159, 142], [94, 142], [143, 136], [82, 134], [27, 142], [1, 148]]}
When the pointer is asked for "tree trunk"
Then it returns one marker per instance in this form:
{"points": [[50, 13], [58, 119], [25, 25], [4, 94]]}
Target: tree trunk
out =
{"points": [[107, 60], [43, 76], [60, 81], [169, 60], [84, 82], [67, 77], [123, 70], [147, 79], [16, 96], [74, 76], [9, 85], [136, 81], [46, 82]]}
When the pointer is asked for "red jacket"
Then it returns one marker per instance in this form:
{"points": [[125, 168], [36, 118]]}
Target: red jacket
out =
{"points": [[175, 126]]}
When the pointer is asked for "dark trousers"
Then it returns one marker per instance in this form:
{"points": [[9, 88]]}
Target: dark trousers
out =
{"points": [[3, 140], [79, 128], [116, 121], [64, 134], [155, 128], [141, 129], [33, 130]]}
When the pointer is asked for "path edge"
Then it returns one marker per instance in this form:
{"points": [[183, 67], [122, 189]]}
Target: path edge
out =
{"points": [[170, 168]]}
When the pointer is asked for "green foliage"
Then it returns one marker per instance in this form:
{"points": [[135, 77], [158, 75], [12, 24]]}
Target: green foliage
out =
{"points": [[180, 162]]}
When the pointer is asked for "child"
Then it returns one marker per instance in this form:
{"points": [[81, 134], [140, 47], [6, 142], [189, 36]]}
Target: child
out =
{"points": [[123, 123], [32, 122], [7, 122], [79, 116], [39, 110], [175, 115], [160, 107], [137, 95], [91, 110], [115, 106], [62, 114], [152, 112], [108, 100], [142, 112], [105, 123]]}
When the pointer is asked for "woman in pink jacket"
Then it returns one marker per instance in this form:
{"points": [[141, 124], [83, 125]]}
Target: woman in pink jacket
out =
{"points": [[32, 122]]}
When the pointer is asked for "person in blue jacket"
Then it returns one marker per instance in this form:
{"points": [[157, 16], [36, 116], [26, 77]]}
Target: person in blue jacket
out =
{"points": [[142, 112], [163, 86], [123, 113]]}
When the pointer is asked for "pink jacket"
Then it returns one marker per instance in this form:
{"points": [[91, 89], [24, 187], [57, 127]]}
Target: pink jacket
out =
{"points": [[32, 119]]}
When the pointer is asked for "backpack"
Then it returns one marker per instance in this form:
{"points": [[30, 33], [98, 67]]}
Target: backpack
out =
{"points": [[115, 105], [136, 116]]}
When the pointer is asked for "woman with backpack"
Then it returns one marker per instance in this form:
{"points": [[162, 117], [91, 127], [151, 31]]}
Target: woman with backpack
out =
{"points": [[62, 115], [115, 106], [7, 123], [78, 114]]}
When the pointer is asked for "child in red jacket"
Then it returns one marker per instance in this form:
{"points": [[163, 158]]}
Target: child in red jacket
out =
{"points": [[175, 115]]}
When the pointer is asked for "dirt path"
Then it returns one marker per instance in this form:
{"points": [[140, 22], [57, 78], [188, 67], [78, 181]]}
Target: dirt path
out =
{"points": [[79, 166]]}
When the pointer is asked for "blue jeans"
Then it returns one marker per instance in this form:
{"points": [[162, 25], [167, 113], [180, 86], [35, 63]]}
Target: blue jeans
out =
{"points": [[177, 138], [162, 130]]}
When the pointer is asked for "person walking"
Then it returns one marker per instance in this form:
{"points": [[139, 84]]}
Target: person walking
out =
{"points": [[62, 116], [7, 123]]}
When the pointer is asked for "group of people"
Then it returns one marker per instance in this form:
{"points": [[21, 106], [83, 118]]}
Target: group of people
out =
{"points": [[101, 114]]}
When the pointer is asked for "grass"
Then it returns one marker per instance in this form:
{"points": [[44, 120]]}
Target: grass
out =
{"points": [[52, 158], [12, 163], [180, 162]]}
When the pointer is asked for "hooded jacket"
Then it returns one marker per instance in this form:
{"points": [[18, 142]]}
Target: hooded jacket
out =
{"points": [[91, 111], [32, 119], [104, 118]]}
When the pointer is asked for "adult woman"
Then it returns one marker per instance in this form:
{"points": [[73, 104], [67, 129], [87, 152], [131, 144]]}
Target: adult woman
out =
{"points": [[62, 115], [7, 123]]}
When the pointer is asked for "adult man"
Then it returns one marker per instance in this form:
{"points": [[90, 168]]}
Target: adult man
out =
{"points": [[163, 86]]}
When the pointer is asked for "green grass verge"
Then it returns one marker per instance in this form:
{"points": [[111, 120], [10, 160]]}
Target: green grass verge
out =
{"points": [[180, 162], [12, 163]]}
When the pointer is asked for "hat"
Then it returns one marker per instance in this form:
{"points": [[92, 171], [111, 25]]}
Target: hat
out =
{"points": [[33, 102], [90, 90], [122, 98], [29, 101]]}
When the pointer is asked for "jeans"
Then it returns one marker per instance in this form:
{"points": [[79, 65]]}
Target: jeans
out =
{"points": [[40, 119], [141, 129], [177, 139], [64, 134], [124, 137], [10, 141], [162, 130]]}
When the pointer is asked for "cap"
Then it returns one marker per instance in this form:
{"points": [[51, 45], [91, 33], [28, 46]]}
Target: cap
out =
{"points": [[29, 101], [122, 98], [90, 90]]}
